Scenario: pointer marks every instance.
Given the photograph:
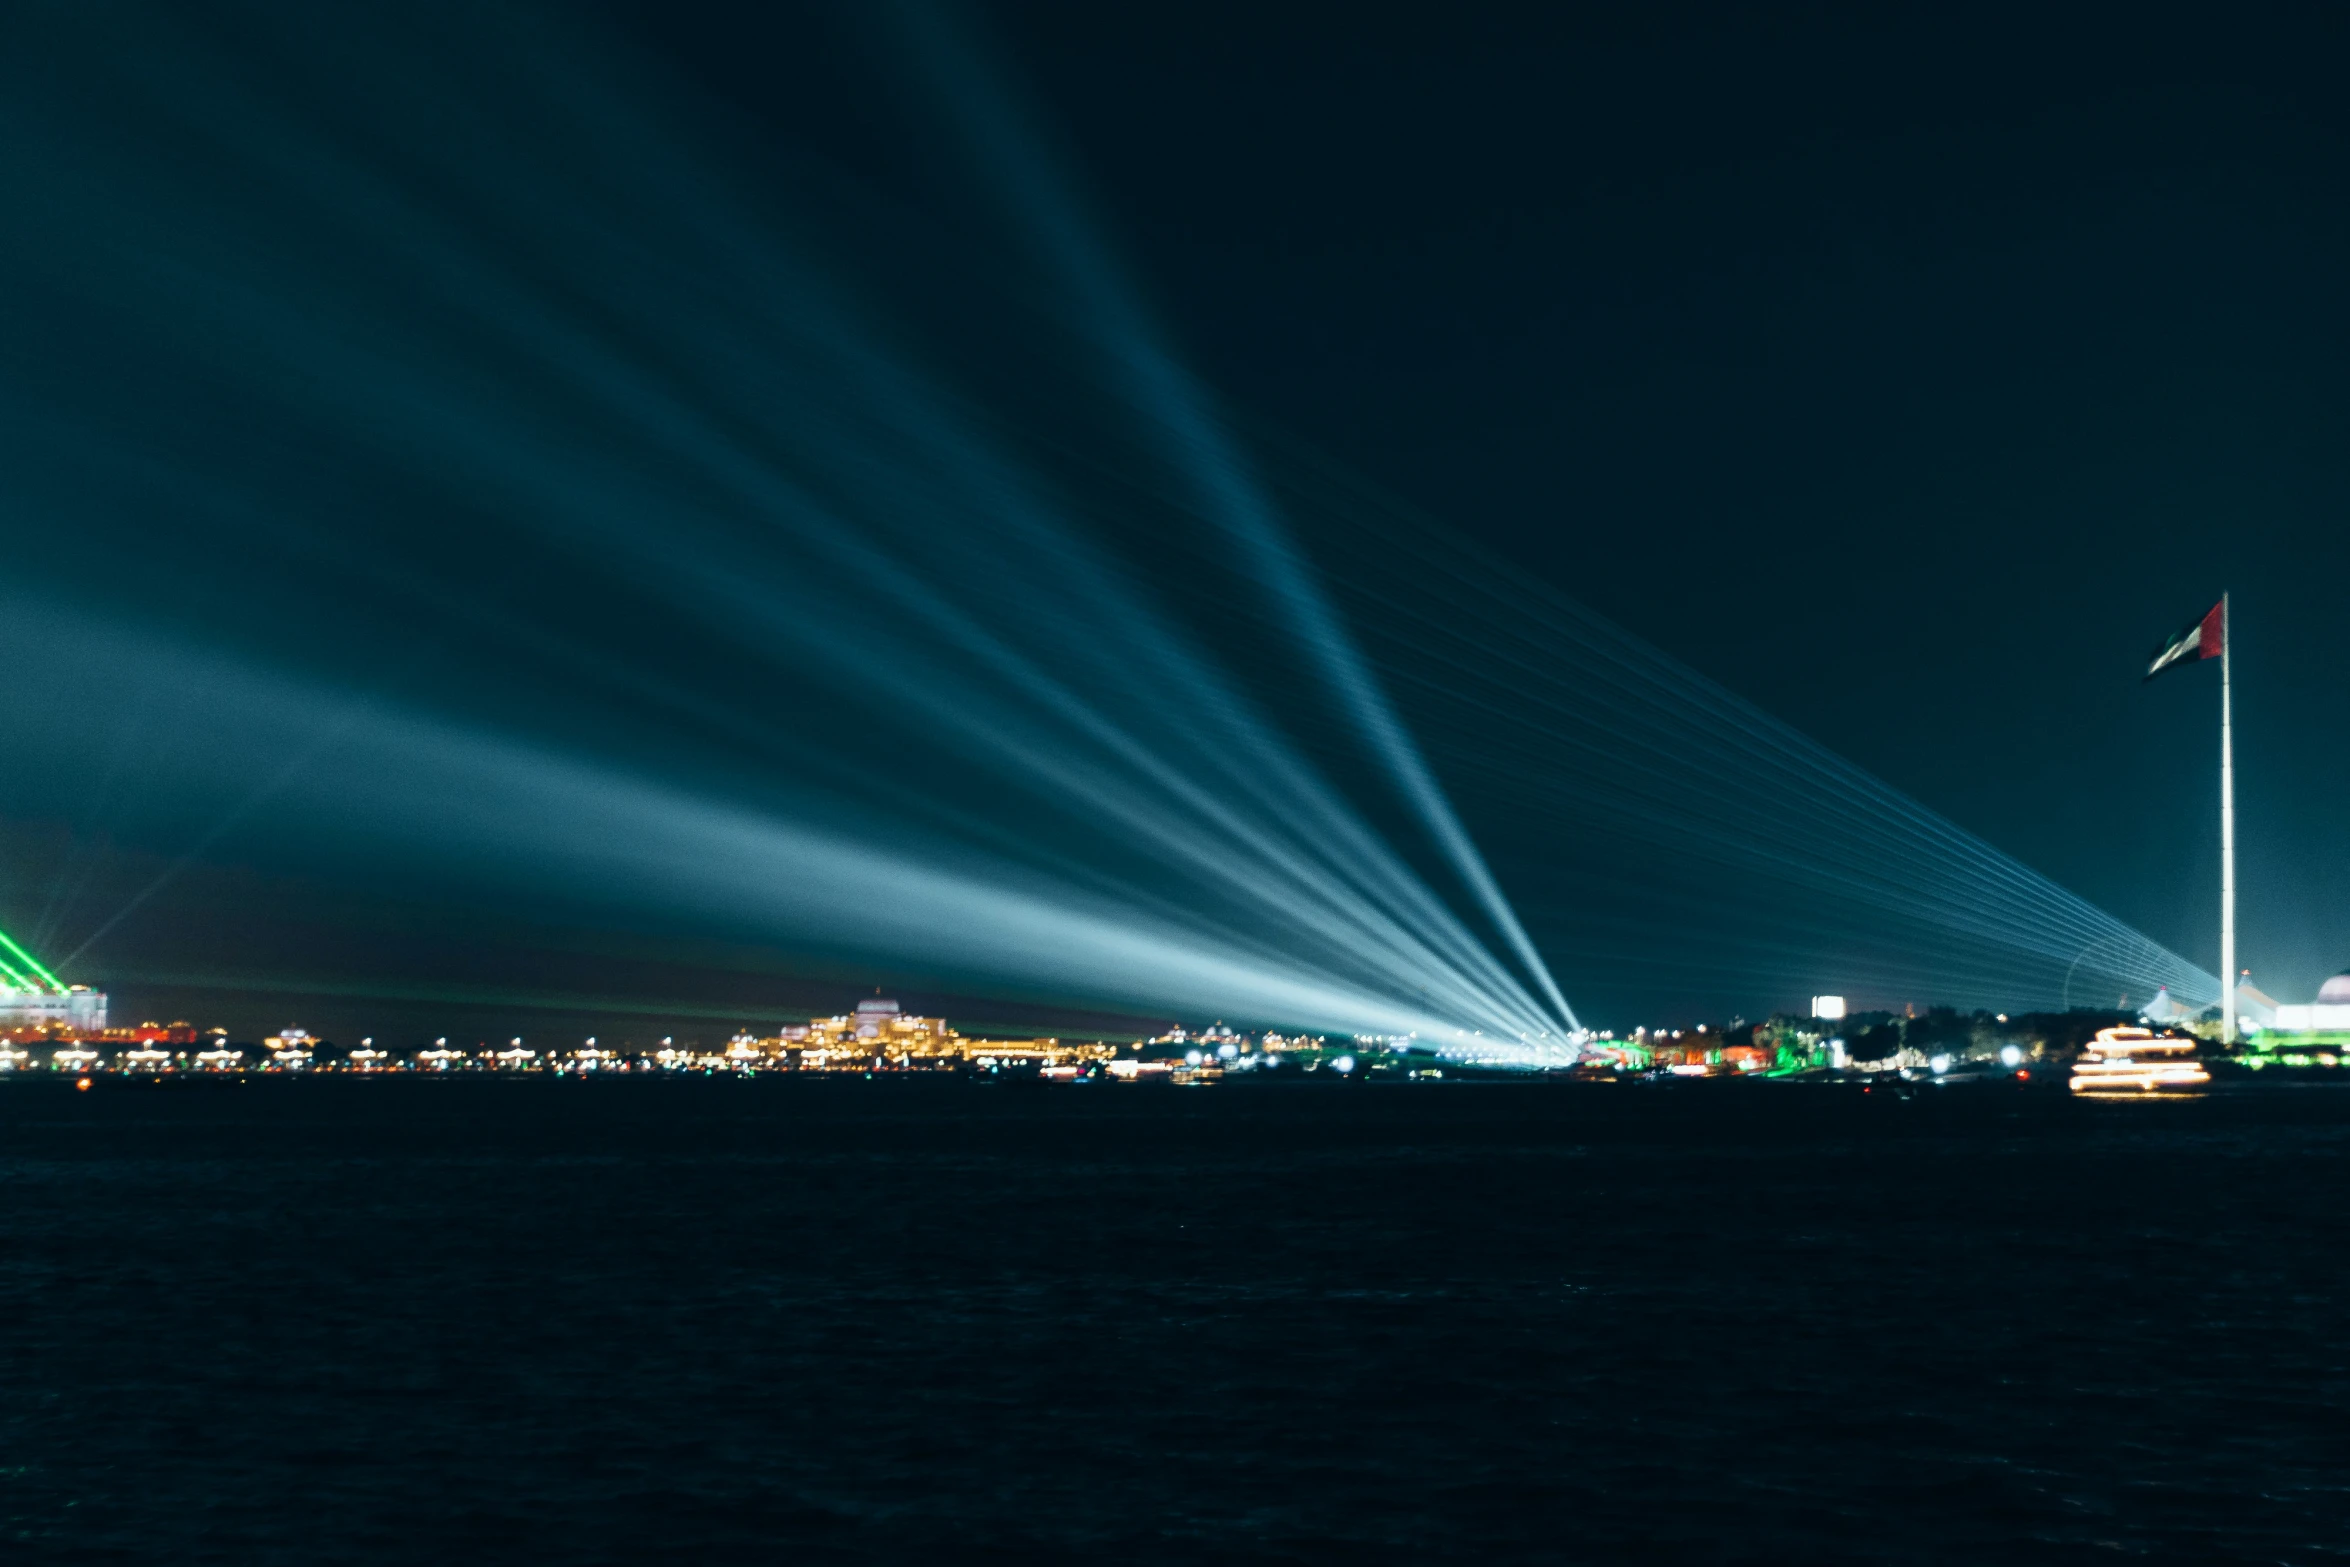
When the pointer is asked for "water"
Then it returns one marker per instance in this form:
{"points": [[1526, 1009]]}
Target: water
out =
{"points": [[719, 1321]]}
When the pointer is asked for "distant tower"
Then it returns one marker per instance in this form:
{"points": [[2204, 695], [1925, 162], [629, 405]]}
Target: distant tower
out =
{"points": [[2227, 838]]}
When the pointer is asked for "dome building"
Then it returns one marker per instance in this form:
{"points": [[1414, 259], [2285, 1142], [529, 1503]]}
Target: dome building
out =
{"points": [[2329, 1014]]}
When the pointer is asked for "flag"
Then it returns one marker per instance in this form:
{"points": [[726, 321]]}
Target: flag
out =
{"points": [[2203, 638]]}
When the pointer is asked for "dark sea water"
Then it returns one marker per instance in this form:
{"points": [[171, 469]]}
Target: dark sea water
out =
{"points": [[792, 1321]]}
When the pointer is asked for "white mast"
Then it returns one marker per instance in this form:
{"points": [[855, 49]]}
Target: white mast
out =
{"points": [[2227, 841]]}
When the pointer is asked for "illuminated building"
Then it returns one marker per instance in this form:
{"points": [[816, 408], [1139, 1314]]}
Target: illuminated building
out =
{"points": [[72, 1012], [34, 1001], [2328, 1014], [2254, 1009], [1044, 1055], [879, 1036], [177, 1033], [290, 1051], [876, 1035]]}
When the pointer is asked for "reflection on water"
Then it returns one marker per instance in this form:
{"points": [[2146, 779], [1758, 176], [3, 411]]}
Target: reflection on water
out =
{"points": [[707, 1322]]}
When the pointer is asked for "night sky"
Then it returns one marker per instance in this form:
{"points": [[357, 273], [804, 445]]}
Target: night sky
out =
{"points": [[1910, 377]]}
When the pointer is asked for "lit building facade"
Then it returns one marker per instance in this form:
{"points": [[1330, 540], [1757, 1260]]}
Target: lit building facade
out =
{"points": [[2328, 1014], [73, 1012]]}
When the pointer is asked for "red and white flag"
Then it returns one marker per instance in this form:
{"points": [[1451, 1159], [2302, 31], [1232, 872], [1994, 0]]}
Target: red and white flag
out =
{"points": [[2204, 637]]}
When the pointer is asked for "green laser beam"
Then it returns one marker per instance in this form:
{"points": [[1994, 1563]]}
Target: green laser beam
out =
{"points": [[55, 985]]}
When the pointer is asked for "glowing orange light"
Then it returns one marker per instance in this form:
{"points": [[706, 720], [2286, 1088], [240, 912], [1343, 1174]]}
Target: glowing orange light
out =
{"points": [[83, 1084]]}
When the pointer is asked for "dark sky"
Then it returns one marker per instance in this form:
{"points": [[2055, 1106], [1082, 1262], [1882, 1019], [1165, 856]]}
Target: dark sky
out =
{"points": [[1910, 373], [1909, 370]]}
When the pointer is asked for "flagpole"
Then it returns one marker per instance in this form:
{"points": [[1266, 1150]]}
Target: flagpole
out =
{"points": [[2227, 839]]}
